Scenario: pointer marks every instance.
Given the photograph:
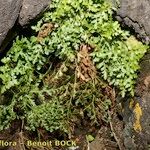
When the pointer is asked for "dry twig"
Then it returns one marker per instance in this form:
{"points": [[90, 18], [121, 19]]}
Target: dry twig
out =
{"points": [[114, 134]]}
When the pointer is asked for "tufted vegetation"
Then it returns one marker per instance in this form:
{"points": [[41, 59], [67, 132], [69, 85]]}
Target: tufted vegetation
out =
{"points": [[55, 77]]}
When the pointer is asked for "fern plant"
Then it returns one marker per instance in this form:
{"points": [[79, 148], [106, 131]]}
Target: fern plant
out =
{"points": [[60, 33], [115, 53], [118, 63]]}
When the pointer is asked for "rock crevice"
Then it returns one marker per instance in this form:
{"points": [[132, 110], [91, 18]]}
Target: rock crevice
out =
{"points": [[22, 11], [136, 14]]}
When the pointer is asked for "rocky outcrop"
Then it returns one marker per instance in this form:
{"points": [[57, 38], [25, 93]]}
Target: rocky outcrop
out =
{"points": [[136, 15], [11, 10], [31, 9], [137, 111]]}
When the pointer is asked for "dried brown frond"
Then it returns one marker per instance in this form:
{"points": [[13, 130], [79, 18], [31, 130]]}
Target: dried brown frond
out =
{"points": [[45, 30], [85, 69]]}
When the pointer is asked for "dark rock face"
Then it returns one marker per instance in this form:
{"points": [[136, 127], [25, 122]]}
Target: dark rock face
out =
{"points": [[31, 9], [9, 11], [136, 14], [137, 111]]}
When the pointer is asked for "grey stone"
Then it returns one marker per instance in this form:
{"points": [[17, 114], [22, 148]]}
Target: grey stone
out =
{"points": [[9, 11], [137, 124], [31, 9], [136, 14], [25, 10]]}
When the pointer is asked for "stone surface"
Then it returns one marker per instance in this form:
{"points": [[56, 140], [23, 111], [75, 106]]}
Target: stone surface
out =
{"points": [[25, 10], [9, 11], [31, 9], [136, 15], [137, 111]]}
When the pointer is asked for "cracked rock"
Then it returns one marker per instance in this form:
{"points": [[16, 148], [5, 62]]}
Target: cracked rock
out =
{"points": [[9, 11], [13, 12], [137, 111], [136, 15], [31, 9]]}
